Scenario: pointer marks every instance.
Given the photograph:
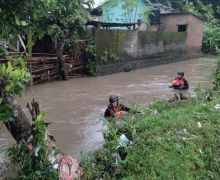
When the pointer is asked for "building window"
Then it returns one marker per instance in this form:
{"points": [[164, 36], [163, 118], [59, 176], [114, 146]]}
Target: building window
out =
{"points": [[182, 28]]}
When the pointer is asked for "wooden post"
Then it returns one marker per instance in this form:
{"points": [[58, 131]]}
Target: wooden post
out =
{"points": [[62, 64], [30, 42]]}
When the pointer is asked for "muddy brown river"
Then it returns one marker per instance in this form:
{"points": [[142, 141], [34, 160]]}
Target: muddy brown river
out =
{"points": [[76, 107]]}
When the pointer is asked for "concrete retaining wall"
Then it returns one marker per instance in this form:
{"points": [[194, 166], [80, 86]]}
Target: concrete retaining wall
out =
{"points": [[137, 49]]}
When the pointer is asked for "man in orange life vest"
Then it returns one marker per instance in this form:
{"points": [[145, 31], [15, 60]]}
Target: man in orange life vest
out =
{"points": [[180, 82], [115, 109]]}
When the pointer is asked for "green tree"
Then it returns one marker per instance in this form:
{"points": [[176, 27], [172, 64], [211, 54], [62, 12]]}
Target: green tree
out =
{"points": [[130, 10], [63, 21], [20, 17], [106, 9], [14, 78], [205, 8], [210, 11]]}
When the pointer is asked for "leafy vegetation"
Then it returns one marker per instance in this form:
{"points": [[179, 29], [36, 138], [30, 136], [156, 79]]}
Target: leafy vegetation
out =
{"points": [[216, 76], [20, 21], [16, 16], [14, 79], [200, 5], [207, 9], [5, 114], [129, 12], [3, 52], [34, 164], [32, 157], [166, 140], [211, 40], [91, 56], [108, 56], [92, 67], [129, 68], [17, 77], [169, 141], [63, 20]]}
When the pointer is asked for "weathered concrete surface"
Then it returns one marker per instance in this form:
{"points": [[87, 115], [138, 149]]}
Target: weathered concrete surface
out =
{"points": [[159, 59], [137, 49], [195, 28], [130, 45]]}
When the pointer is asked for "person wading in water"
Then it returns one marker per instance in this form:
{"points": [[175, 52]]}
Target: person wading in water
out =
{"points": [[180, 82], [115, 109]]}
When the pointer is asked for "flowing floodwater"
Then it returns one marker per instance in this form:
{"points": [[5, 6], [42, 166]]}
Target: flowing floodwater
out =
{"points": [[76, 107]]}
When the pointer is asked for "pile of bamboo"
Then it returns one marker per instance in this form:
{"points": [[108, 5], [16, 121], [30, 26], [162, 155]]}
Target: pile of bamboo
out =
{"points": [[46, 68], [75, 68], [43, 68]]}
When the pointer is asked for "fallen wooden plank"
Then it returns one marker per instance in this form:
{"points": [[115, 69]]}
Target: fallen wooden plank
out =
{"points": [[76, 68]]}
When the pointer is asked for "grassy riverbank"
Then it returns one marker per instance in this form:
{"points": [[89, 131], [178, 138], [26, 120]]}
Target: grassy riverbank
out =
{"points": [[168, 140], [178, 140]]}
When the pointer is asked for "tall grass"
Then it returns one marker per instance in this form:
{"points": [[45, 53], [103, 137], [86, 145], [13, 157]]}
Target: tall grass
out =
{"points": [[180, 141], [211, 39], [168, 140]]}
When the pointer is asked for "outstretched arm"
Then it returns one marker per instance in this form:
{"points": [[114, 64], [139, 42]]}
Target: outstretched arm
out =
{"points": [[124, 108]]}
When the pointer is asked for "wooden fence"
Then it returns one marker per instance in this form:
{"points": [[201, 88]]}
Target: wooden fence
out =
{"points": [[45, 67]]}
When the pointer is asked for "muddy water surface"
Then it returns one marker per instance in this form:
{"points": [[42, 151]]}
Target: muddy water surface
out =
{"points": [[76, 107]]}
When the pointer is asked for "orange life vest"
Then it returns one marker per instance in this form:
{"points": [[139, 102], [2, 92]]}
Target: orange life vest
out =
{"points": [[178, 82], [117, 111]]}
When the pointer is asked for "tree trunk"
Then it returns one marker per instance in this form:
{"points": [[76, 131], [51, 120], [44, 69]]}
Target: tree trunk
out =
{"points": [[21, 129], [30, 42], [63, 68], [19, 126]]}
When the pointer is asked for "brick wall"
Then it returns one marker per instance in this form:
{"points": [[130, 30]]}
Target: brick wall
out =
{"points": [[153, 28], [195, 27]]}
